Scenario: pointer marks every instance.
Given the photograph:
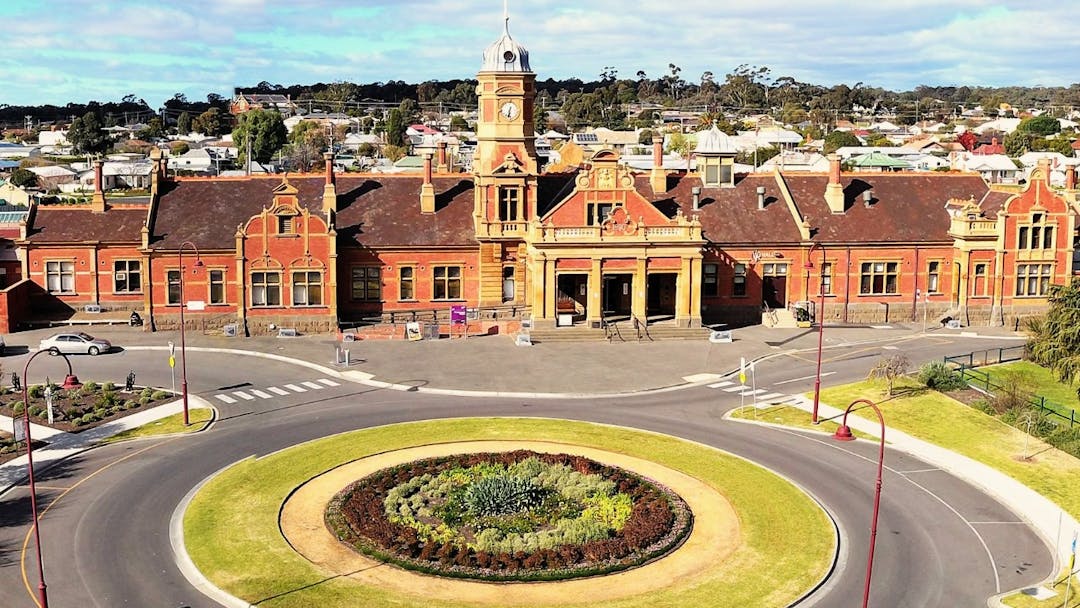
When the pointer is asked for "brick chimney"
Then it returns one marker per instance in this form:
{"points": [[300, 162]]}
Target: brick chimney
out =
{"points": [[97, 202], [329, 195], [157, 172], [427, 191], [442, 167], [658, 177], [834, 192], [1070, 177]]}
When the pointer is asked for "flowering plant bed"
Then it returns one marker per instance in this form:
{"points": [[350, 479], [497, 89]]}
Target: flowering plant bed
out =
{"points": [[10, 449], [82, 408], [511, 516]]}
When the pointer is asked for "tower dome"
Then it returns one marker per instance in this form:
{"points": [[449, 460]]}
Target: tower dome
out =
{"points": [[505, 55], [714, 141]]}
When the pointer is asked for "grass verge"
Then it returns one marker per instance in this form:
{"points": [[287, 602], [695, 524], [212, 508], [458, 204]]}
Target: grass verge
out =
{"points": [[789, 416], [170, 425], [1046, 383], [231, 526], [1023, 600]]}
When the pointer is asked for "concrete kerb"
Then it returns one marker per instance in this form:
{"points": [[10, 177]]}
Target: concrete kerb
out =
{"points": [[183, 561], [1048, 519]]}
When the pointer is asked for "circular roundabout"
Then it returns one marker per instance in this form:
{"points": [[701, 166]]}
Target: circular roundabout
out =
{"points": [[505, 511]]}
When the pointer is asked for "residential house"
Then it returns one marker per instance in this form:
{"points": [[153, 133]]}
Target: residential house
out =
{"points": [[53, 177], [12, 195], [244, 102], [790, 161], [994, 168]]}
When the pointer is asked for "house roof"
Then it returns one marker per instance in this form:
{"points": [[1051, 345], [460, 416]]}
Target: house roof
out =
{"points": [[878, 159], [905, 207], [373, 211], [70, 223]]}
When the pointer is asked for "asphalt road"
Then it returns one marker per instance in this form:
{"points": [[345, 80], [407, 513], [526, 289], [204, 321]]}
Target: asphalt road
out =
{"points": [[941, 542]]}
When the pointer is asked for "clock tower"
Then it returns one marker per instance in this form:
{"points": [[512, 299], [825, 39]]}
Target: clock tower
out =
{"points": [[504, 167]]}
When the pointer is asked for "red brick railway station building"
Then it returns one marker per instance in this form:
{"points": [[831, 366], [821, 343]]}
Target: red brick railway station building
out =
{"points": [[315, 252]]}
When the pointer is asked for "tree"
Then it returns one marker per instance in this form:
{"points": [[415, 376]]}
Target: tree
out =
{"points": [[267, 133], [680, 144], [969, 140], [395, 128], [1018, 143], [1055, 337], [153, 130], [394, 153], [458, 123], [183, 124], [1039, 125], [645, 137], [839, 139], [87, 135], [366, 149], [23, 178], [306, 143], [178, 148], [209, 123], [889, 369]]}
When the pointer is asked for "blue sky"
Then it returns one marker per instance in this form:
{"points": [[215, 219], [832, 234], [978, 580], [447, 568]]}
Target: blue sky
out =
{"points": [[57, 51]]}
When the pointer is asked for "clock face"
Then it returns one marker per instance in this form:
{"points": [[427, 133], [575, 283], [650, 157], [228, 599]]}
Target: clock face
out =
{"points": [[509, 110]]}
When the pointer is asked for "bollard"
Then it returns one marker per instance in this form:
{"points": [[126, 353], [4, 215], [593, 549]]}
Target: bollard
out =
{"points": [[346, 358]]}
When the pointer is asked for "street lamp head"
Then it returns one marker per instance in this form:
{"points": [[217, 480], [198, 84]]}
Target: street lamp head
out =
{"points": [[843, 433], [199, 263], [808, 265]]}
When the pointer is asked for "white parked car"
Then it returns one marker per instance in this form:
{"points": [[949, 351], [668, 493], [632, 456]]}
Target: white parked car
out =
{"points": [[75, 343]]}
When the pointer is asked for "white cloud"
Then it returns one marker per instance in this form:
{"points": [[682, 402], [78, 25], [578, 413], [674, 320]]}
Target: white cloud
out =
{"points": [[241, 42]]}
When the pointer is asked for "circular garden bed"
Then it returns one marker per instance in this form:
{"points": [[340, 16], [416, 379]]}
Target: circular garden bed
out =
{"points": [[510, 516]]}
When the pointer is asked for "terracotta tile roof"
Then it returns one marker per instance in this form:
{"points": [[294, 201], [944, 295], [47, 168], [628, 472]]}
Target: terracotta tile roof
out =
{"points": [[374, 210], [65, 224], [906, 207], [384, 211], [993, 202], [729, 215]]}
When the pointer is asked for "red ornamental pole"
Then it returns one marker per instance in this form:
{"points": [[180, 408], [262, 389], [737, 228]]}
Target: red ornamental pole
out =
{"points": [[183, 345], [843, 433], [821, 328]]}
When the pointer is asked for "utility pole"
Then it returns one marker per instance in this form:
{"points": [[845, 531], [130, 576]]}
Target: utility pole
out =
{"points": [[247, 156]]}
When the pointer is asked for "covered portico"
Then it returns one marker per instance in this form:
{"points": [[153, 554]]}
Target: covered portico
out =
{"points": [[651, 273]]}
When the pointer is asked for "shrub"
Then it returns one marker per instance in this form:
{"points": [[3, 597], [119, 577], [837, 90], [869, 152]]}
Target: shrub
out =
{"points": [[36, 410], [159, 395], [90, 387], [108, 387], [130, 404], [88, 418], [143, 400], [147, 393], [984, 406], [78, 422], [36, 392], [107, 400], [492, 496], [940, 377], [17, 407], [101, 413]]}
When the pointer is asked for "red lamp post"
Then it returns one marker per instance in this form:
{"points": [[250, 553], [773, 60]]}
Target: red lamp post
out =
{"points": [[821, 324], [183, 305], [843, 433], [70, 381]]}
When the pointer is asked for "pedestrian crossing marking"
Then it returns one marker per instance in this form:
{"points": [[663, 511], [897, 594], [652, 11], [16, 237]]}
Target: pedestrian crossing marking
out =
{"points": [[751, 391], [721, 384], [295, 389], [732, 389], [225, 398], [261, 394], [313, 385], [243, 395], [770, 396], [277, 391], [328, 382]]}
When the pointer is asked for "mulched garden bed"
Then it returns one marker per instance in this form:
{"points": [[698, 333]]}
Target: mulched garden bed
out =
{"points": [[510, 516], [9, 450], [83, 408]]}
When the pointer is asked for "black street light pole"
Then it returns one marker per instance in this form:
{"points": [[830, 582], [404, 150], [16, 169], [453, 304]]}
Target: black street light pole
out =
{"points": [[821, 324], [69, 382], [843, 433], [183, 305]]}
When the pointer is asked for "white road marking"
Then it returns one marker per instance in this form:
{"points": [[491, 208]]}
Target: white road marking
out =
{"points": [[261, 394], [243, 395], [313, 385], [770, 396], [328, 382], [881, 326], [277, 391], [823, 374], [721, 384], [295, 389], [732, 389], [225, 398], [890, 348], [752, 391]]}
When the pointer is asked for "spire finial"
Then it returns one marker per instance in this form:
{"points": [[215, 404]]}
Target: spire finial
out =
{"points": [[506, 16]]}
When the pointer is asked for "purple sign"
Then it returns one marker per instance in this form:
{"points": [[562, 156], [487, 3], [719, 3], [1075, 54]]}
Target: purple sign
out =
{"points": [[457, 314]]}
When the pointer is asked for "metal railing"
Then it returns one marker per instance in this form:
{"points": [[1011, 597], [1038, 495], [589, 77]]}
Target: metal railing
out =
{"points": [[438, 315], [967, 364], [641, 330], [611, 330]]}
